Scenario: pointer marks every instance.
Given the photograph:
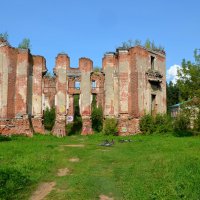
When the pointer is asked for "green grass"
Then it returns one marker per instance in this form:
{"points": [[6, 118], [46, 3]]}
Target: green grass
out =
{"points": [[150, 167]]}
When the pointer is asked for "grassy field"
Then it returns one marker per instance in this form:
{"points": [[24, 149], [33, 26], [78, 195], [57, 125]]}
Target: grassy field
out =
{"points": [[149, 167]]}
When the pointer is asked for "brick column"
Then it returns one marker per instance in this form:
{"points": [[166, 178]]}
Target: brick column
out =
{"points": [[4, 65], [62, 62], [85, 66], [124, 82], [21, 93], [39, 66], [109, 68]]}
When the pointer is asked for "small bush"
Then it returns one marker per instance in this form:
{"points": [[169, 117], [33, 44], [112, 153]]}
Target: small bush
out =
{"points": [[49, 118], [163, 124], [182, 125], [110, 126], [11, 182], [147, 124], [181, 122], [97, 119], [160, 124]]}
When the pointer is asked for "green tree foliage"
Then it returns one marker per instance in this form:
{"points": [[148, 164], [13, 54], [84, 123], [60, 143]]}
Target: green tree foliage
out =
{"points": [[189, 78], [25, 44], [172, 94], [97, 119], [97, 116], [49, 118], [75, 127], [189, 86], [181, 124]]}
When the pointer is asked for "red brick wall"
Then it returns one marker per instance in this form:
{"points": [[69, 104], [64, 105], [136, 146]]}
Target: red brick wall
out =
{"points": [[12, 56]]}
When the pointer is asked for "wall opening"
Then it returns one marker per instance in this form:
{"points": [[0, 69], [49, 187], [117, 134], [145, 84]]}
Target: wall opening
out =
{"points": [[94, 85], [75, 127], [152, 62], [153, 104], [97, 115], [94, 101], [77, 85]]}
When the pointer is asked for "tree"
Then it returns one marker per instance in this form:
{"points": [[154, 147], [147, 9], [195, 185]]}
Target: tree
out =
{"points": [[172, 94], [25, 44], [189, 78]]}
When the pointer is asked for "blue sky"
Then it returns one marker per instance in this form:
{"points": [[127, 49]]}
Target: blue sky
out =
{"points": [[89, 28]]}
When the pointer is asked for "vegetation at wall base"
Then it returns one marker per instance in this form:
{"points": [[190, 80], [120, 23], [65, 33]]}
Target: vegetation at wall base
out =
{"points": [[97, 119], [49, 118], [159, 124], [110, 126], [179, 126]]}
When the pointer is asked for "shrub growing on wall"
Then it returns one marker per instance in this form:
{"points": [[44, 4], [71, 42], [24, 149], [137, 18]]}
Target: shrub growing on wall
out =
{"points": [[49, 118], [110, 126]]}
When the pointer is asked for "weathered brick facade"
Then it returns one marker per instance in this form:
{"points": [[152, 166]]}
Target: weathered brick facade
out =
{"points": [[132, 82]]}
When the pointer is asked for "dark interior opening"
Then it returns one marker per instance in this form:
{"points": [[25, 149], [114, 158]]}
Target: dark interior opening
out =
{"points": [[75, 127], [152, 62]]}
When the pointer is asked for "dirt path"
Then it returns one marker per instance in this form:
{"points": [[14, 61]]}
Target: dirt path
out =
{"points": [[73, 145], [104, 197], [63, 172], [42, 191]]}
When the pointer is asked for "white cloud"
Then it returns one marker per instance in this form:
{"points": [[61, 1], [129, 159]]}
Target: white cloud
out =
{"points": [[172, 73]]}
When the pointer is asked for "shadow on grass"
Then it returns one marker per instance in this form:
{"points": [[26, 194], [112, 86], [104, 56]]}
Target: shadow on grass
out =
{"points": [[184, 133]]}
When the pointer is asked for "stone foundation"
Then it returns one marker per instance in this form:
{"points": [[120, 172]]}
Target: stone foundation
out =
{"points": [[128, 126], [16, 127], [86, 126], [59, 127], [37, 125]]}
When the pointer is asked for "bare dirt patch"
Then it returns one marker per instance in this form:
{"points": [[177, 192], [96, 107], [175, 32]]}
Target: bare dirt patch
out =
{"points": [[104, 150], [74, 159], [63, 172], [104, 197], [42, 191], [73, 145]]}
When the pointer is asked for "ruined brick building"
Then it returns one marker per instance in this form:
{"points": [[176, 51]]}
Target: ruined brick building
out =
{"points": [[131, 83]]}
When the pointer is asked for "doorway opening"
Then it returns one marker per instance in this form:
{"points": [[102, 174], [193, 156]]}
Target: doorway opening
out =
{"points": [[75, 127]]}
